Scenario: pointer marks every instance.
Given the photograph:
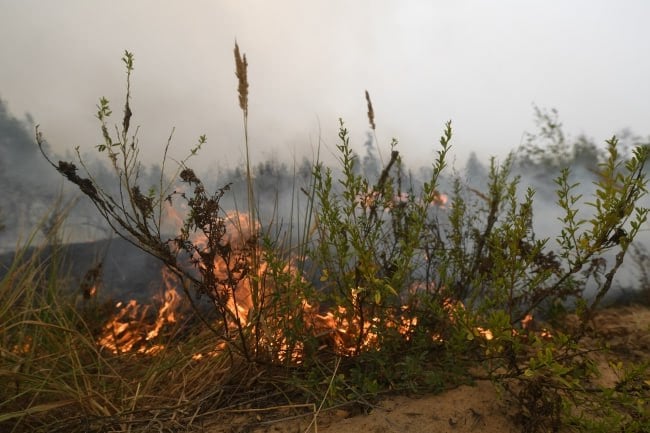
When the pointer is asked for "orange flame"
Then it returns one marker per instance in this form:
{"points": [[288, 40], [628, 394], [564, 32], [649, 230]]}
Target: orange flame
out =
{"points": [[129, 330]]}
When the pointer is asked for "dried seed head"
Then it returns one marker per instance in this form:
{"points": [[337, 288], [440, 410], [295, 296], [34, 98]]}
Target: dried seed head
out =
{"points": [[371, 112], [142, 202], [242, 76]]}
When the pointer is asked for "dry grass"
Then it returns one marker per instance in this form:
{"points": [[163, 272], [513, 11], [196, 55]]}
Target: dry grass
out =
{"points": [[55, 377]]}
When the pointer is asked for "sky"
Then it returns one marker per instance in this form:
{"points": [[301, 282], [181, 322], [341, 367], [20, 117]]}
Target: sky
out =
{"points": [[481, 64]]}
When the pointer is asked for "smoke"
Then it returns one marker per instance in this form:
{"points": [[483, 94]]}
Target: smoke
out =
{"points": [[34, 195], [30, 186]]}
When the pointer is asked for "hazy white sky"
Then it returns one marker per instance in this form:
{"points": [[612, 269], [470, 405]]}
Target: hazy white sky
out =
{"points": [[481, 64]]}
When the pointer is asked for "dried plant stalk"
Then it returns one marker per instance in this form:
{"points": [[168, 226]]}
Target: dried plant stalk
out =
{"points": [[242, 76], [371, 112]]}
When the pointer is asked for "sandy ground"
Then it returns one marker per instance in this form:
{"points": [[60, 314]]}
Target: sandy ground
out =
{"points": [[477, 408], [464, 409]]}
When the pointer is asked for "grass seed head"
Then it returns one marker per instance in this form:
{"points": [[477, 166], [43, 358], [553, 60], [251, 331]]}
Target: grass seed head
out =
{"points": [[242, 77], [371, 112]]}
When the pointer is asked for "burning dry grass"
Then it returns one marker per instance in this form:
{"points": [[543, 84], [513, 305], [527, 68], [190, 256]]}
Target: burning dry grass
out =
{"points": [[139, 374], [144, 370], [72, 386], [54, 376], [135, 328]]}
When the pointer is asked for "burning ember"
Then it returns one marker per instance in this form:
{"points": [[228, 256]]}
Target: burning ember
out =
{"points": [[371, 198]]}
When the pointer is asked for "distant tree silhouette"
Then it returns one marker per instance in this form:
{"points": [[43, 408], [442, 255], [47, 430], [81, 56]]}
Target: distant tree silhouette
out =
{"points": [[370, 163], [586, 154], [546, 148], [474, 169]]}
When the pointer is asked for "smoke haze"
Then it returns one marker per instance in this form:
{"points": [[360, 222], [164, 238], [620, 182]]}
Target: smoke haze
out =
{"points": [[481, 65]]}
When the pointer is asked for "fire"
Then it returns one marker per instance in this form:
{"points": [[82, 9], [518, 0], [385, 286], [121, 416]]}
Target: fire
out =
{"points": [[130, 329], [133, 330], [371, 198], [340, 334], [439, 199], [485, 333]]}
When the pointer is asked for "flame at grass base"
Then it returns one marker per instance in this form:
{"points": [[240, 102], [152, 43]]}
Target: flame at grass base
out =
{"points": [[134, 327]]}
